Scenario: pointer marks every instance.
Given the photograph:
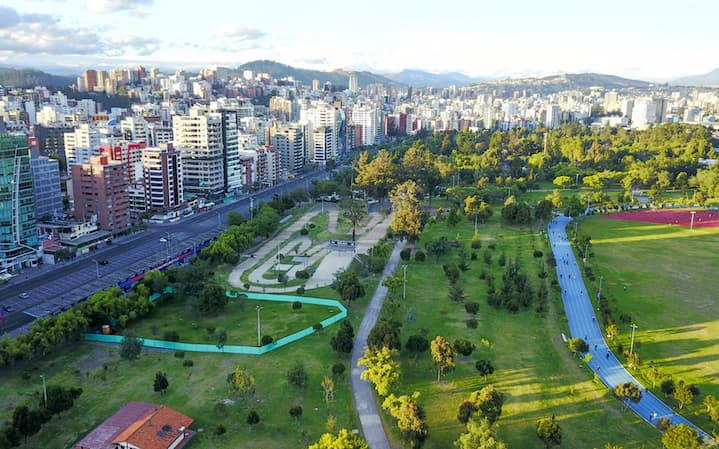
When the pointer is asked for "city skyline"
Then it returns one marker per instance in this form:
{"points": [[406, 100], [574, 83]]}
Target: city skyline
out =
{"points": [[629, 39]]}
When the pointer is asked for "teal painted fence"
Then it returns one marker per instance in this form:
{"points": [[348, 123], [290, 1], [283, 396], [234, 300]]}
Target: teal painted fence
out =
{"points": [[234, 349]]}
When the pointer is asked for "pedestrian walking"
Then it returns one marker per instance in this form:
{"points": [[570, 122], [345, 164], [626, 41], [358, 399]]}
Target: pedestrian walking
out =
{"points": [[607, 354], [595, 347]]}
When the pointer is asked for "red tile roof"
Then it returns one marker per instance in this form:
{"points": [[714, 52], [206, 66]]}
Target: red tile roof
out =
{"points": [[145, 425]]}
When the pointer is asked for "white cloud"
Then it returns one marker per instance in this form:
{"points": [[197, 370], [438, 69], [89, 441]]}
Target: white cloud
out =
{"points": [[8, 17], [237, 34], [33, 38], [141, 45], [110, 6]]}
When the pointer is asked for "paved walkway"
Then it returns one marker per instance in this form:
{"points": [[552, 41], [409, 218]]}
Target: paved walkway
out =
{"points": [[362, 390], [583, 324]]}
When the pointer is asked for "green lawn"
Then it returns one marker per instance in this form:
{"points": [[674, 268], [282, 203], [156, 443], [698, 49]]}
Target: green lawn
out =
{"points": [[239, 319], [533, 366], [670, 277]]}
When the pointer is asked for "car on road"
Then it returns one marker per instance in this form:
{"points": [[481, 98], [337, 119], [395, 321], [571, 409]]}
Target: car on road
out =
{"points": [[104, 262], [24, 295], [8, 308], [163, 239]]}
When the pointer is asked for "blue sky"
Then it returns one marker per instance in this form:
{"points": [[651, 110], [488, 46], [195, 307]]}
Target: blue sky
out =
{"points": [[653, 40]]}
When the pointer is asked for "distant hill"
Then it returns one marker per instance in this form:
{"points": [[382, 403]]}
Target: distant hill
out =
{"points": [[556, 83], [338, 78], [707, 79], [31, 78], [420, 78]]}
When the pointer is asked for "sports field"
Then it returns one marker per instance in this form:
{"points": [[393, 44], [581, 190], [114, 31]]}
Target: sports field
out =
{"points": [[703, 218], [663, 277]]}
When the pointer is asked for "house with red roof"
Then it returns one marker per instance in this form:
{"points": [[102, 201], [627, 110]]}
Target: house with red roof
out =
{"points": [[140, 425]]}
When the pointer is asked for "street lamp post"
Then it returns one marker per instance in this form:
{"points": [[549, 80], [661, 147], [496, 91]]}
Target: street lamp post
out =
{"points": [[404, 283], [97, 268], [252, 201], [258, 308], [691, 223], [631, 346], [44, 389]]}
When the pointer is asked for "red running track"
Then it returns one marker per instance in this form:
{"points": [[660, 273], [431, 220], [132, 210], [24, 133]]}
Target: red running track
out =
{"points": [[681, 217]]}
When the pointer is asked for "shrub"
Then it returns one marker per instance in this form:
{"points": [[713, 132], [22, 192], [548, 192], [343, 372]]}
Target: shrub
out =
{"points": [[502, 261], [492, 246], [694, 389], [219, 429], [472, 307], [179, 354], [538, 254], [476, 243], [304, 231], [171, 336], [452, 272], [317, 327], [464, 346], [210, 330], [473, 256], [188, 363], [296, 305], [420, 256], [487, 256], [266, 340], [302, 274], [472, 323], [625, 318], [338, 369], [312, 225], [405, 254]]}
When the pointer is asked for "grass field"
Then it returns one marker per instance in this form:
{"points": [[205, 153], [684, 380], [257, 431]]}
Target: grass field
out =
{"points": [[670, 277], [239, 319], [533, 366]]}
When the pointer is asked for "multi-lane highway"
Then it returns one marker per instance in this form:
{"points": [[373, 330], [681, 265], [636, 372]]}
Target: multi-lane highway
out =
{"points": [[50, 287], [583, 324]]}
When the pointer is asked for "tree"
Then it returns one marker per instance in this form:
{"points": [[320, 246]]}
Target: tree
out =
{"points": [[26, 421], [654, 375], [296, 412], [344, 338], [354, 211], [376, 176], [130, 347], [488, 402], [416, 344], [681, 437], [456, 291], [406, 210], [343, 440], [667, 387], [382, 370], [549, 432], [562, 181], [484, 367], [161, 383], [466, 408], [253, 418], [543, 209], [221, 335], [328, 387], [349, 286], [712, 408], [297, 375], [60, 398], [410, 418], [463, 346], [438, 247], [480, 434], [212, 299], [628, 391], [442, 355], [612, 331], [235, 218], [578, 345], [683, 394], [471, 307], [241, 383], [475, 207], [386, 333]]}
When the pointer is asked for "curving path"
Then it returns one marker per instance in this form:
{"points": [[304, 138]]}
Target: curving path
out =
{"points": [[583, 324], [362, 391]]}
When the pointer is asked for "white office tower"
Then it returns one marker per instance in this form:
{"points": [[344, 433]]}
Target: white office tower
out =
{"points": [[644, 113], [554, 116], [627, 107], [353, 82], [319, 114], [135, 129], [198, 136], [611, 102], [83, 142], [159, 134], [234, 170], [368, 118], [321, 149], [289, 143]]}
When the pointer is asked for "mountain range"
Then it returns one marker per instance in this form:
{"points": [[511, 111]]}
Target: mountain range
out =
{"points": [[421, 78], [707, 79]]}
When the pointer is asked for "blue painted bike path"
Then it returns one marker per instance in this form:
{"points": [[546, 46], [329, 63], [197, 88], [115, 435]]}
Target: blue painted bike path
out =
{"points": [[583, 324]]}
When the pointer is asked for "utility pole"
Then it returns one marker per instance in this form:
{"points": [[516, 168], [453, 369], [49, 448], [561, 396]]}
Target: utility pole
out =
{"points": [[44, 389], [631, 346], [258, 308], [404, 284], [691, 224]]}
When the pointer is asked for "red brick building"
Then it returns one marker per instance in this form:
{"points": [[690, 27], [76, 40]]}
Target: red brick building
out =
{"points": [[99, 189]]}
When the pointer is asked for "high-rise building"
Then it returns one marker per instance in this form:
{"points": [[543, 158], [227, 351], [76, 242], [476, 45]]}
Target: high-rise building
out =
{"points": [[554, 116], [52, 139], [90, 77], [159, 134], [46, 185], [234, 175], [100, 193], [611, 102], [129, 154], [353, 82], [369, 118], [18, 225], [198, 136], [162, 178], [135, 129], [81, 144], [289, 144], [644, 113], [321, 150], [315, 85]]}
